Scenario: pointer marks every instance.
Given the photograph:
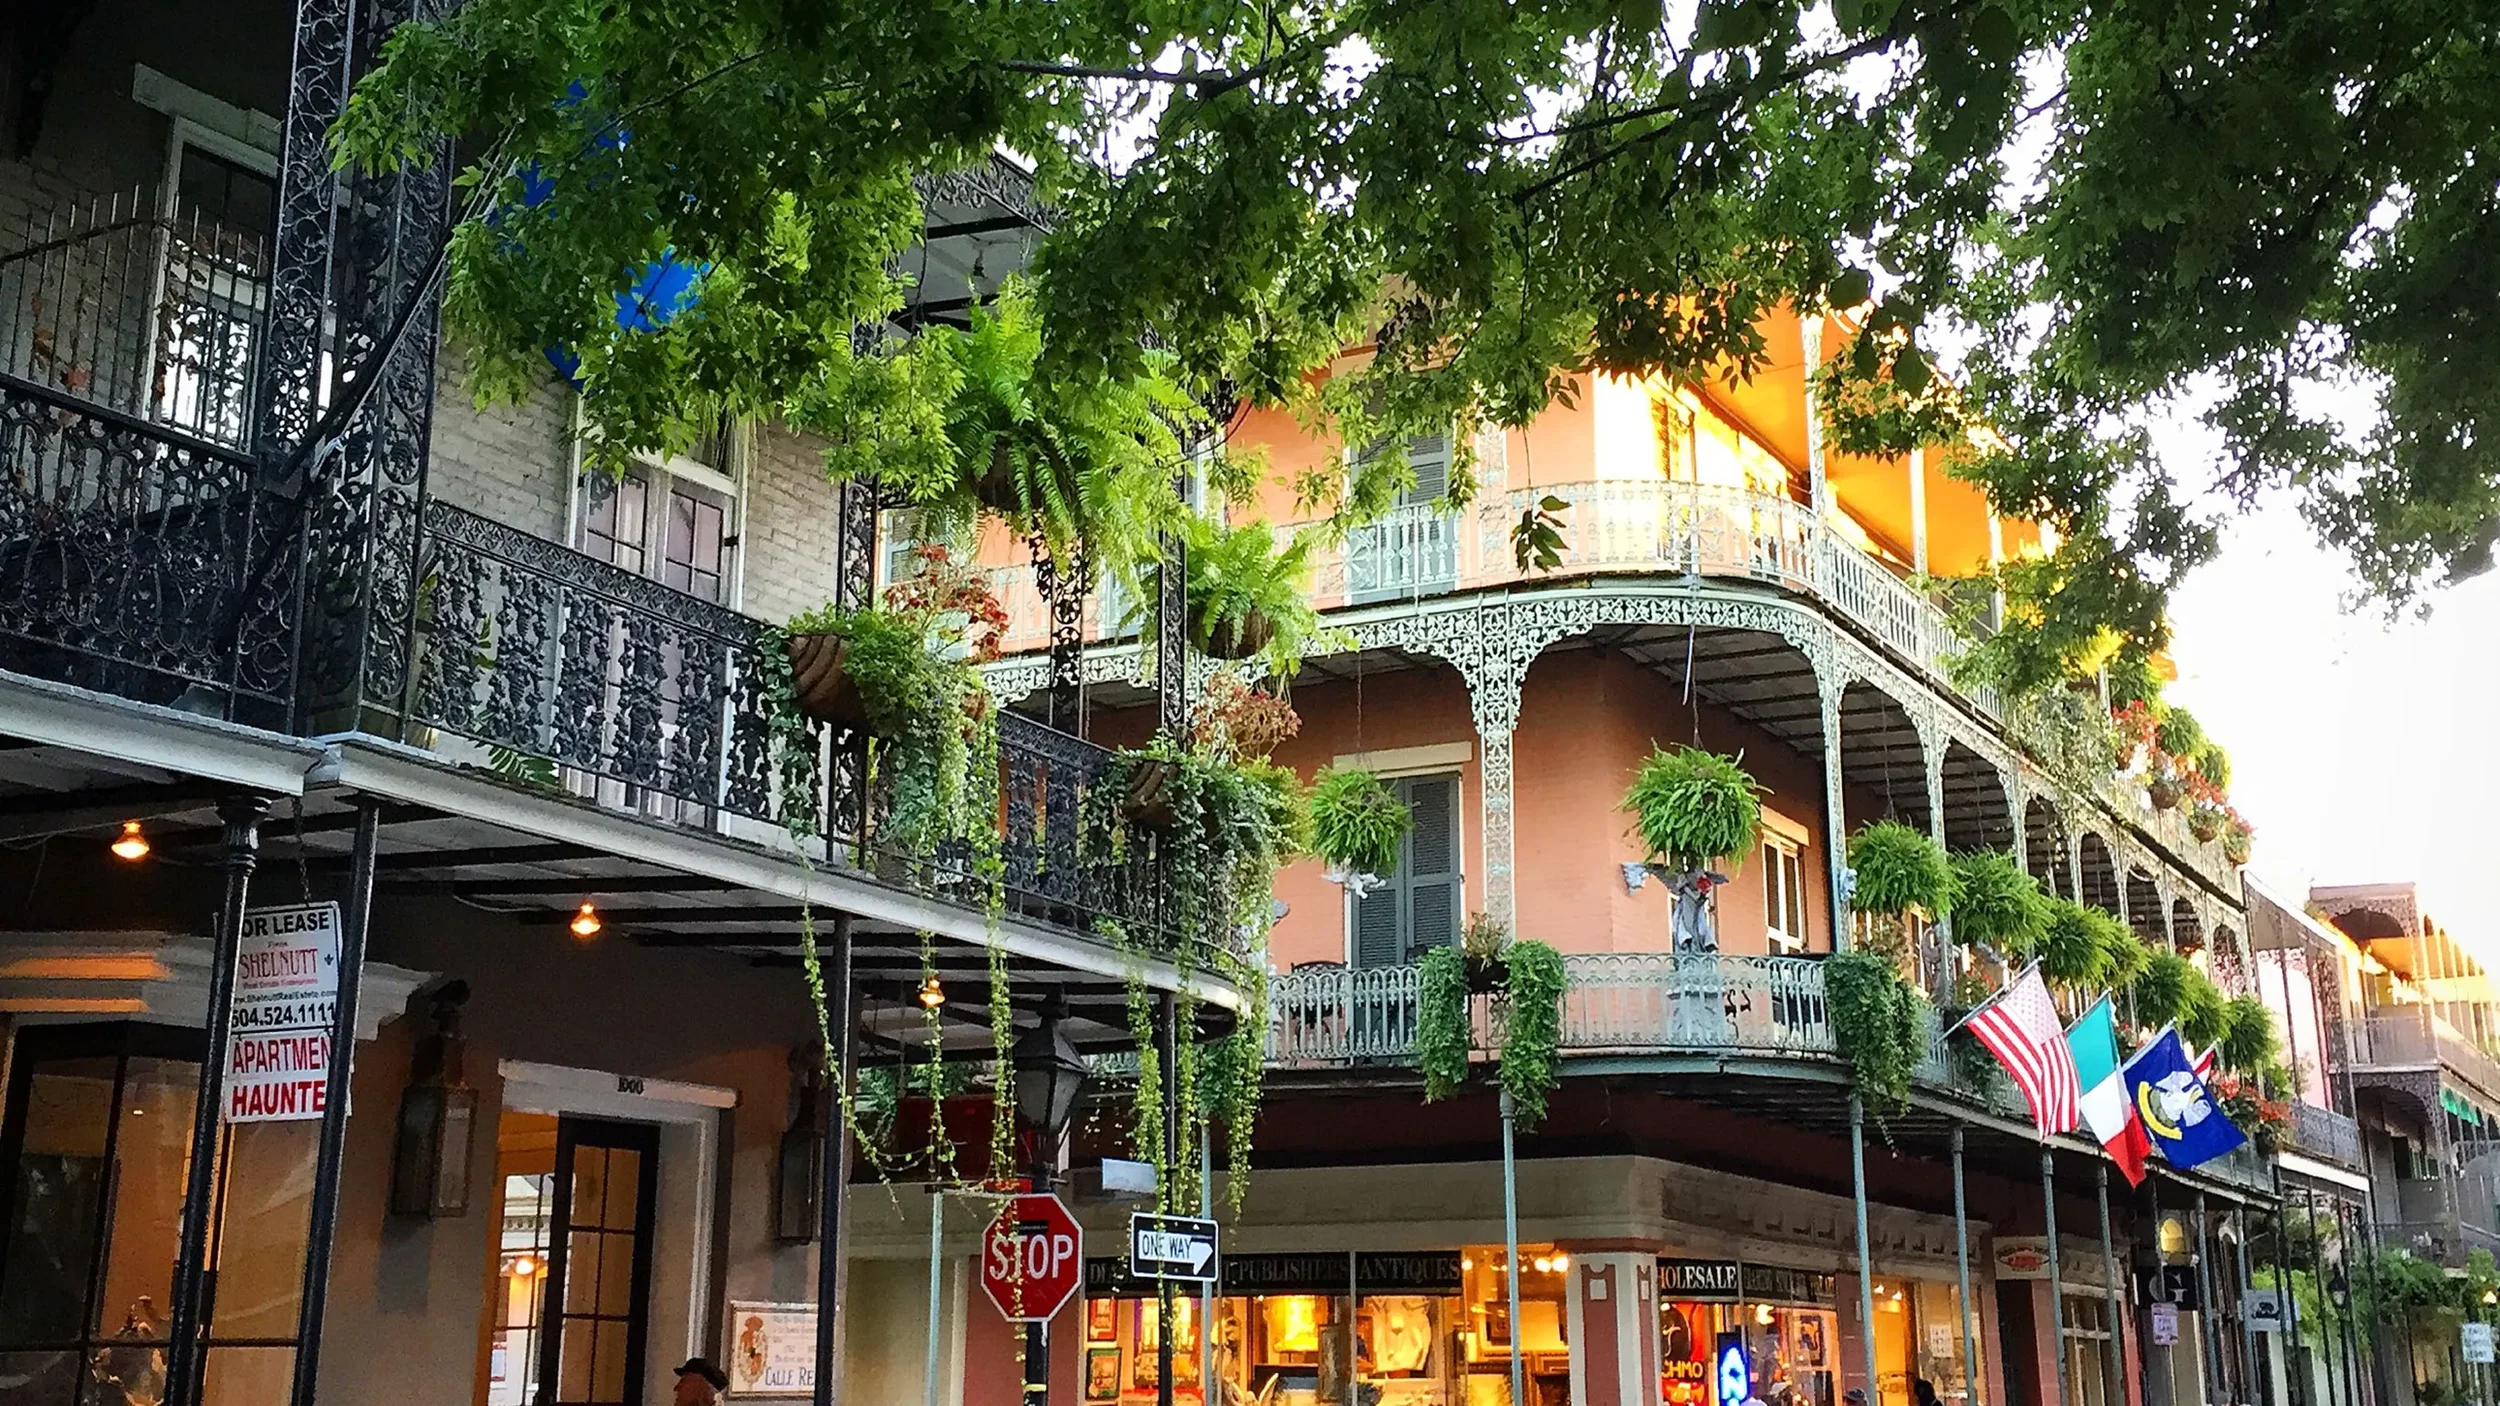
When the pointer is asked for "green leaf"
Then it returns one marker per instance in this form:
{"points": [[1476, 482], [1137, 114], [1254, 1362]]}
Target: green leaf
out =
{"points": [[1993, 36], [1852, 287]]}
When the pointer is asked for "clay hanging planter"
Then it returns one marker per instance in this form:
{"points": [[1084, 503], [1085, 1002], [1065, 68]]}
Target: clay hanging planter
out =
{"points": [[2205, 825], [1237, 638], [823, 689], [2164, 792], [1149, 800]]}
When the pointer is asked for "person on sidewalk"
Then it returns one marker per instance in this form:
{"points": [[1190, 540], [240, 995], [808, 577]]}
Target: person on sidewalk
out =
{"points": [[699, 1383]]}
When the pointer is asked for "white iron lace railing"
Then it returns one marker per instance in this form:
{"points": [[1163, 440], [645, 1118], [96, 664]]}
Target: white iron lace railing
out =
{"points": [[1611, 526], [1614, 1002]]}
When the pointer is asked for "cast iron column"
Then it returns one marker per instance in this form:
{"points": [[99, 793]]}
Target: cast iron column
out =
{"points": [[2109, 1276], [1961, 1266], [2057, 1286], [323, 1229], [1170, 1152], [237, 856], [1866, 1260], [834, 1189]]}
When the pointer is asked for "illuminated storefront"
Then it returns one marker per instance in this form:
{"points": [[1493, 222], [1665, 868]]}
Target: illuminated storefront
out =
{"points": [[1722, 1324], [1429, 1328], [1783, 1329]]}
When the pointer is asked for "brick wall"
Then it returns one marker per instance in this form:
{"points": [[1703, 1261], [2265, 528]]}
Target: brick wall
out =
{"points": [[511, 463], [791, 527]]}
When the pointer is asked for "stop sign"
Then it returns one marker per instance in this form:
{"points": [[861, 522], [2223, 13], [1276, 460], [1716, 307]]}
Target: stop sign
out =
{"points": [[1032, 1258]]}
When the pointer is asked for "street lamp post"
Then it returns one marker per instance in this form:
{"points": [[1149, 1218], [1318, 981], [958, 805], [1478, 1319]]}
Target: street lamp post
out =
{"points": [[1050, 1074]]}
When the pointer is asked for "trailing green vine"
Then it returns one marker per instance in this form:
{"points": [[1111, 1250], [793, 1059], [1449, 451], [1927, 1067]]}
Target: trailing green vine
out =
{"points": [[1532, 1034], [1878, 1023], [1443, 1032]]}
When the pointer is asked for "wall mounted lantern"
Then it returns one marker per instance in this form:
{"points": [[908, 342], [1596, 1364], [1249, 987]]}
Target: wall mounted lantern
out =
{"points": [[431, 1151], [799, 1169]]}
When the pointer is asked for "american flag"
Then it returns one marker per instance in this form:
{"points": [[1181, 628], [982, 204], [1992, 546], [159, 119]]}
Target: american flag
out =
{"points": [[2204, 1063], [2019, 1025]]}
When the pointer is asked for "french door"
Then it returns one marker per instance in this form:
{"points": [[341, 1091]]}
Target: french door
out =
{"points": [[597, 1309]]}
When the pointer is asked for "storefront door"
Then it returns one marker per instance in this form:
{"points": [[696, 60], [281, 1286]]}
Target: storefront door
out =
{"points": [[597, 1304]]}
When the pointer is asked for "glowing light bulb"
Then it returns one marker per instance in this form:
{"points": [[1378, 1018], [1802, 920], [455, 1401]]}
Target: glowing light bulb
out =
{"points": [[523, 1267], [1544, 1264], [586, 923], [132, 844], [1561, 1263], [932, 995]]}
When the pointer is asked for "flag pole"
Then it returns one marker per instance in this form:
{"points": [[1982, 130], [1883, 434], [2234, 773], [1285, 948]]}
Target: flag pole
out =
{"points": [[2057, 1291]]}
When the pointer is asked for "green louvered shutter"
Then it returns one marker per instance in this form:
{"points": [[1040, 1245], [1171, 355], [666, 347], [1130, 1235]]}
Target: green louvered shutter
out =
{"points": [[1429, 875], [1416, 908]]}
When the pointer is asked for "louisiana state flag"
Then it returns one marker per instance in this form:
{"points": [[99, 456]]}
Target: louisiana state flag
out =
{"points": [[2177, 1111]]}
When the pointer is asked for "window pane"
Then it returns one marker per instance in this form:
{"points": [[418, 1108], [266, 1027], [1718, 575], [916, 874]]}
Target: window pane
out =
{"points": [[616, 1275], [248, 1376], [151, 1160], [624, 1188], [607, 1381], [58, 1202], [260, 1257], [581, 1272], [590, 1187]]}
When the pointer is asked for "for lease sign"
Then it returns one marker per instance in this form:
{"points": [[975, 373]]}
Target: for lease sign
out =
{"points": [[286, 991]]}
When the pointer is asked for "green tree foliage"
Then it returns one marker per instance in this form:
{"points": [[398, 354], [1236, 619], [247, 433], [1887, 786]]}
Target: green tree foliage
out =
{"points": [[2105, 213]]}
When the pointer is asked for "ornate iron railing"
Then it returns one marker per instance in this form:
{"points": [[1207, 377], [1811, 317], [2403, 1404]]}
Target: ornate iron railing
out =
{"points": [[1614, 1003], [583, 674], [127, 553], [2325, 1133]]}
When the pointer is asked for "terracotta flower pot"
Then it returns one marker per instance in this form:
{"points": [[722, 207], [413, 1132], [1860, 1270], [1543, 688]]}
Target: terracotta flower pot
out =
{"points": [[822, 687], [2205, 826], [1233, 639], [2235, 846], [1149, 800], [2165, 793]]}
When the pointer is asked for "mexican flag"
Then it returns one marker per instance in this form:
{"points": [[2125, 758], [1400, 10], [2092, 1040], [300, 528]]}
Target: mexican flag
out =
{"points": [[2107, 1110]]}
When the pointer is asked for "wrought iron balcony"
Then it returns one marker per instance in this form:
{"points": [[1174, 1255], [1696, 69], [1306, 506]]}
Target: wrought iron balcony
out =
{"points": [[1615, 1003], [2416, 1041], [131, 558], [141, 561], [2324, 1134]]}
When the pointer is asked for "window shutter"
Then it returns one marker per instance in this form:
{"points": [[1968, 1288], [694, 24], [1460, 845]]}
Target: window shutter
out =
{"points": [[1376, 926], [1429, 456], [1430, 874]]}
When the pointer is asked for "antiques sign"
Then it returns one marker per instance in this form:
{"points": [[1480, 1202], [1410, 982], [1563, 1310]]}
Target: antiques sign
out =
{"points": [[285, 1007], [772, 1349]]}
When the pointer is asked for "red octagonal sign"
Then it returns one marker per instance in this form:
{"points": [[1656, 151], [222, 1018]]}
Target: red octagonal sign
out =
{"points": [[1032, 1259]]}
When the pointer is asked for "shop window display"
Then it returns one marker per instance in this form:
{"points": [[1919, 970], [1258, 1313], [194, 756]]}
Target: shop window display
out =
{"points": [[1362, 1329], [1782, 1319]]}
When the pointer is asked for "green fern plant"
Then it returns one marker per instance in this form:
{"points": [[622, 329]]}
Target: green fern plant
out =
{"points": [[1356, 822], [2204, 1015], [1900, 871], [2080, 948], [2248, 1038], [1999, 905], [1246, 586], [2160, 990], [1694, 808]]}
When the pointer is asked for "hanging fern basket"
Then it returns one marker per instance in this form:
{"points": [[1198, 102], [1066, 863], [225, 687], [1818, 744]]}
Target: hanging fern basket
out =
{"points": [[820, 685], [1236, 638], [999, 490]]}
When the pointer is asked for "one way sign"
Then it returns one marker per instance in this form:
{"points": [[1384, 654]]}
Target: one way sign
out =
{"points": [[1171, 1247]]}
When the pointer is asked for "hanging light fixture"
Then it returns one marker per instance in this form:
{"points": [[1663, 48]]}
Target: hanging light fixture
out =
{"points": [[1049, 1075], [524, 1267], [132, 844], [586, 923], [932, 995]]}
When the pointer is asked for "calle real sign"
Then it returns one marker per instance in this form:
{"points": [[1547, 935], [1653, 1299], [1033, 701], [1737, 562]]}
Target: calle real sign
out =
{"points": [[285, 1009]]}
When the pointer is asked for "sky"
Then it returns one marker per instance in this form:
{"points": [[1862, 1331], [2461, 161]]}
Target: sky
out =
{"points": [[2362, 750]]}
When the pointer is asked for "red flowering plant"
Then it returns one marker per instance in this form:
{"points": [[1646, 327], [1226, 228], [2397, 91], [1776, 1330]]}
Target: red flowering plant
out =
{"points": [[939, 586], [1241, 722]]}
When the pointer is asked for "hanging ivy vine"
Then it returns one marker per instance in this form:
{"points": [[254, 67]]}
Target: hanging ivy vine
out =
{"points": [[1878, 1022], [1532, 1034], [1443, 1031]]}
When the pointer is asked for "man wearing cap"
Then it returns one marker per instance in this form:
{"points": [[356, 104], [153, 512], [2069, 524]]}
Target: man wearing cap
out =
{"points": [[699, 1383]]}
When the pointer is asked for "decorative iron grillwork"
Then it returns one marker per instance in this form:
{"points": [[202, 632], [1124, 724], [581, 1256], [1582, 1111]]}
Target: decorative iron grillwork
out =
{"points": [[124, 549]]}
